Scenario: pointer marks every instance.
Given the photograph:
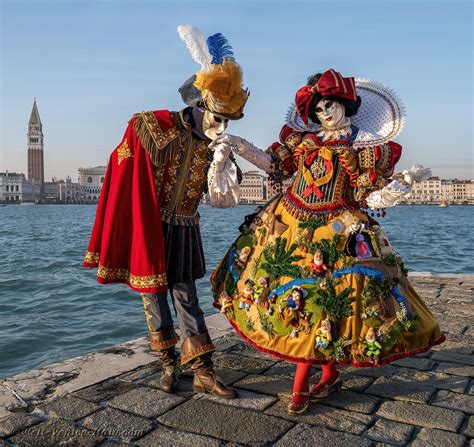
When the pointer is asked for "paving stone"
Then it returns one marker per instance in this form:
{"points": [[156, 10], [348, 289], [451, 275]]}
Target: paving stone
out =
{"points": [[282, 369], [437, 380], [116, 443], [469, 430], [140, 373], [422, 364], [273, 385], [225, 422], [10, 403], [226, 342], [398, 389], [456, 369], [249, 351], [117, 424], [146, 402], [68, 407], [390, 432], [246, 399], [420, 414], [249, 365], [332, 418], [455, 401], [386, 371], [350, 401], [18, 421], [54, 433], [165, 437], [453, 357], [353, 382], [305, 435], [430, 438], [104, 390]]}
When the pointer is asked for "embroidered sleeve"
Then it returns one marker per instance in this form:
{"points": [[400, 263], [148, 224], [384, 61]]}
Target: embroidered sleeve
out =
{"points": [[283, 154], [160, 145], [376, 167]]}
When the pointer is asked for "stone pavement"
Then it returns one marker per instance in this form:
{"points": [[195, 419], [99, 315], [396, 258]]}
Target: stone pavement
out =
{"points": [[111, 398]]}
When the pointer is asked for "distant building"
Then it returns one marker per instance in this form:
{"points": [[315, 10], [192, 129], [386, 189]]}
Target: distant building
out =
{"points": [[51, 191], [35, 147], [253, 187], [436, 190], [69, 192], [15, 188], [90, 182]]}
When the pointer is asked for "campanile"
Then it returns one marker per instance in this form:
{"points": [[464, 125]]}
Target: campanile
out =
{"points": [[35, 146]]}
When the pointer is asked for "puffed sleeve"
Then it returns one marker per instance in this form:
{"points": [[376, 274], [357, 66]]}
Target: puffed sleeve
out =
{"points": [[376, 165], [282, 153]]}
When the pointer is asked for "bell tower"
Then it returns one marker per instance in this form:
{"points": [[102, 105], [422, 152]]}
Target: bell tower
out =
{"points": [[35, 147]]}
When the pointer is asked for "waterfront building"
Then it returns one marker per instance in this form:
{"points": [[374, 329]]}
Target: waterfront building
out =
{"points": [[253, 187], [16, 188], [436, 190], [69, 192], [51, 191], [35, 144], [90, 182]]}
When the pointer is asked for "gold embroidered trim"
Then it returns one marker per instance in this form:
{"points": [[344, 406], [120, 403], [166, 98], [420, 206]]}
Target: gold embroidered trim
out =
{"points": [[92, 257], [123, 152], [161, 146], [204, 349], [138, 282], [159, 346]]}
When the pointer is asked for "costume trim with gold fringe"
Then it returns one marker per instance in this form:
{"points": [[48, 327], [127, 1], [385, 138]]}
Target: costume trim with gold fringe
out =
{"points": [[92, 258], [160, 145], [135, 281]]}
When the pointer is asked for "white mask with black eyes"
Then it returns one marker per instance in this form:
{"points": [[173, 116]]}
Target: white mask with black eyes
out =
{"points": [[213, 125], [330, 113]]}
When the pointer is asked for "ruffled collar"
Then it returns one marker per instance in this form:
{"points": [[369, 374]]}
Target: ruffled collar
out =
{"points": [[342, 132]]}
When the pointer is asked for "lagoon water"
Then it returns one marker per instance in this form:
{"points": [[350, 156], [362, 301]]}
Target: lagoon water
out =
{"points": [[53, 309]]}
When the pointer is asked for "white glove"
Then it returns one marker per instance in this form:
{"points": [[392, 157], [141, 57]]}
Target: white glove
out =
{"points": [[248, 151], [221, 154], [388, 196]]}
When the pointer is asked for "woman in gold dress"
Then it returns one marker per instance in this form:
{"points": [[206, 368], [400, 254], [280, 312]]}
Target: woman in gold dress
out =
{"points": [[337, 148]]}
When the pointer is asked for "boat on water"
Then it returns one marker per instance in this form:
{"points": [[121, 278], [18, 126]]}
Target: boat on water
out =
{"points": [[443, 204]]}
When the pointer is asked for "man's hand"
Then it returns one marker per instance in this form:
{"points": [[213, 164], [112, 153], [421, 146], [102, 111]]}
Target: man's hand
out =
{"points": [[237, 144]]}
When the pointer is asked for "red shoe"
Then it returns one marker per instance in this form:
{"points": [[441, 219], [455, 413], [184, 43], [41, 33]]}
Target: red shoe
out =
{"points": [[325, 388], [298, 408]]}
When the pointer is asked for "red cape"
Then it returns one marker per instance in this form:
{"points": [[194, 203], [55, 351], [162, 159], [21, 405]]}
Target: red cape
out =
{"points": [[127, 241]]}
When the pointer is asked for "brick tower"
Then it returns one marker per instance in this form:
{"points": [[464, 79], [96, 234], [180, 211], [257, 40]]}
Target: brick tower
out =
{"points": [[35, 147]]}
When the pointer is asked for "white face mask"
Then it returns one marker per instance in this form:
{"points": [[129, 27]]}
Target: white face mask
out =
{"points": [[330, 113], [213, 125]]}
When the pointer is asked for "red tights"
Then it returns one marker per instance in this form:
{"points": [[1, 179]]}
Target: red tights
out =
{"points": [[301, 382]]}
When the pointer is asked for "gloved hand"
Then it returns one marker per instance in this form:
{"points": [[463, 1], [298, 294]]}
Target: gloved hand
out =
{"points": [[221, 154], [239, 145]]}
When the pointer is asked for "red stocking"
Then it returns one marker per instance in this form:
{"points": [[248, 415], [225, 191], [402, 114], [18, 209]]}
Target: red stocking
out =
{"points": [[330, 373], [301, 383]]}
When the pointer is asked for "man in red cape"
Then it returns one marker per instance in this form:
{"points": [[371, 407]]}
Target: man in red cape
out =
{"points": [[146, 230]]}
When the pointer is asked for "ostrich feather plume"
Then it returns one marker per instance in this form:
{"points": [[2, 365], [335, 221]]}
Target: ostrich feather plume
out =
{"points": [[196, 45]]}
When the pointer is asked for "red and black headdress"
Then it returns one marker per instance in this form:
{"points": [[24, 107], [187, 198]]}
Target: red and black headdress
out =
{"points": [[331, 83]]}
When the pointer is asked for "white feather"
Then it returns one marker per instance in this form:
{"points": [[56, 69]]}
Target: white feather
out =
{"points": [[196, 45]]}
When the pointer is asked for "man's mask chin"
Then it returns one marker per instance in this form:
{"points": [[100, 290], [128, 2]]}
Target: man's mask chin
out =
{"points": [[213, 125]]}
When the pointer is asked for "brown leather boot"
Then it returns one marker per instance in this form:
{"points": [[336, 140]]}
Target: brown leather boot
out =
{"points": [[205, 380], [163, 342], [169, 378]]}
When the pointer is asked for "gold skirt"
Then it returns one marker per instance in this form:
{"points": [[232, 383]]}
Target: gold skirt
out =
{"points": [[352, 304]]}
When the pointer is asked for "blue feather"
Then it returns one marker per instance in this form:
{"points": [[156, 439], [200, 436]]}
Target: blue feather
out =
{"points": [[219, 48]]}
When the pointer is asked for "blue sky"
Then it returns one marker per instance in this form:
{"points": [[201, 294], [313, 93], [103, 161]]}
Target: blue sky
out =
{"points": [[92, 64]]}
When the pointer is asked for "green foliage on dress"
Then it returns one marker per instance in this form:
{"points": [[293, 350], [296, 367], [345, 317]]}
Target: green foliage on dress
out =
{"points": [[279, 261]]}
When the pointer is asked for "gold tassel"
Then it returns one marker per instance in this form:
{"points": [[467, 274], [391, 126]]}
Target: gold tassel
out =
{"points": [[160, 146]]}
